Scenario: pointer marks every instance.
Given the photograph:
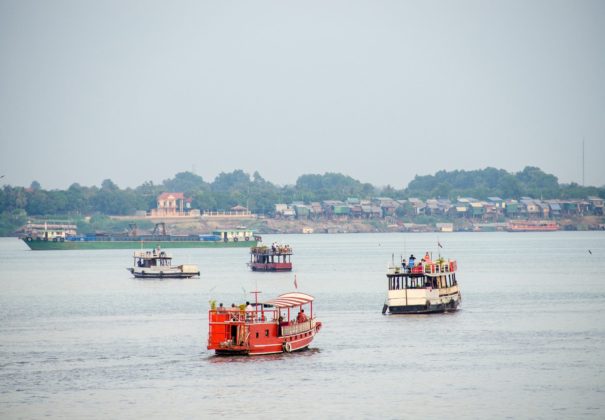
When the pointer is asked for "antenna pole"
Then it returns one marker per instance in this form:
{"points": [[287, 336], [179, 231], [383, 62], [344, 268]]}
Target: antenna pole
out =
{"points": [[583, 162]]}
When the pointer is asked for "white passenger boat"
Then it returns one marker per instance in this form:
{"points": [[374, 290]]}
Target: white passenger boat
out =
{"points": [[158, 264], [422, 288]]}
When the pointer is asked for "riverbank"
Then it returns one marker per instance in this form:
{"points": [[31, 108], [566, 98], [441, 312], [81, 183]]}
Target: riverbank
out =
{"points": [[281, 226]]}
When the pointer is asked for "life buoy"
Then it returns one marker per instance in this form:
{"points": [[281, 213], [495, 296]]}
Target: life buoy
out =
{"points": [[29, 239], [288, 347]]}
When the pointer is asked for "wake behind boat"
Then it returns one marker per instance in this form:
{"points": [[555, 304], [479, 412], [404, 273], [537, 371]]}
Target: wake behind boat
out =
{"points": [[157, 264], [422, 288]]}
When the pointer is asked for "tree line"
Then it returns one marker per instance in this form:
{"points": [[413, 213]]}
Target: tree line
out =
{"points": [[260, 196]]}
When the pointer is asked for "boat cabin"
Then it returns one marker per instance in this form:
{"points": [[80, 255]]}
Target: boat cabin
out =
{"points": [[155, 258]]}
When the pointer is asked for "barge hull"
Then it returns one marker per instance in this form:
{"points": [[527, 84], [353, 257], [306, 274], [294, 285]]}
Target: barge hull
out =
{"points": [[37, 245]]}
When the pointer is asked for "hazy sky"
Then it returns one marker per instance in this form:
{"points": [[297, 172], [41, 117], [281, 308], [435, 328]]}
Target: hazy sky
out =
{"points": [[378, 90]]}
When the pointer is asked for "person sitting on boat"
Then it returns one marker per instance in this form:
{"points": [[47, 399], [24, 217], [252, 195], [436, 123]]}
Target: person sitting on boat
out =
{"points": [[221, 308], [301, 316]]}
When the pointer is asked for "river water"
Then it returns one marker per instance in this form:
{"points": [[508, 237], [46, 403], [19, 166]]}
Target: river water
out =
{"points": [[80, 338]]}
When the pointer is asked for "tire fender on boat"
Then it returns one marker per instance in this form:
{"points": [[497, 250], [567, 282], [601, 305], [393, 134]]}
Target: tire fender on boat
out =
{"points": [[247, 238], [288, 347], [234, 239]]}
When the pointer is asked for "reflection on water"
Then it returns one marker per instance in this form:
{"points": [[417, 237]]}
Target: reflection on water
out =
{"points": [[80, 338]]}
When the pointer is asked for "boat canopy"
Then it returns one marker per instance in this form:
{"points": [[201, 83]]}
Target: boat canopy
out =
{"points": [[290, 300]]}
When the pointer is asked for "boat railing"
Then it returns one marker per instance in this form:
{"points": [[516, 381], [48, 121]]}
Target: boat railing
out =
{"points": [[298, 327], [265, 250], [151, 254], [252, 317], [249, 317], [444, 267], [426, 268]]}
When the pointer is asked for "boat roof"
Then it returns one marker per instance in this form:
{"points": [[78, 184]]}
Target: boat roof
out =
{"points": [[150, 255], [290, 300]]}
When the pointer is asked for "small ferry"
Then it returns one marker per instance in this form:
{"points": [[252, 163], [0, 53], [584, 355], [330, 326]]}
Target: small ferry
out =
{"points": [[274, 258], [263, 327], [422, 288], [532, 226], [157, 264]]}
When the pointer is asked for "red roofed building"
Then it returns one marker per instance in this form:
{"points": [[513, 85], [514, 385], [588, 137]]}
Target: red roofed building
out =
{"points": [[170, 204]]}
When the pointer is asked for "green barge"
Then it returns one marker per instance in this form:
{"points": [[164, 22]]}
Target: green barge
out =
{"points": [[56, 238]]}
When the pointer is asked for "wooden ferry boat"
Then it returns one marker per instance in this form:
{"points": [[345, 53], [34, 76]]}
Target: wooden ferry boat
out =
{"points": [[532, 226], [263, 328], [157, 264], [274, 258], [422, 288]]}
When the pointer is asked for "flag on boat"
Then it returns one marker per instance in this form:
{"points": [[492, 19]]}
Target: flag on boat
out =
{"points": [[295, 282], [439, 244]]}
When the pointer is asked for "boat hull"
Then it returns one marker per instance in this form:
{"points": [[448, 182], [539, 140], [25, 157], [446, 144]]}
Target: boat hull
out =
{"points": [[162, 275], [271, 267], [41, 245], [423, 309], [279, 345]]}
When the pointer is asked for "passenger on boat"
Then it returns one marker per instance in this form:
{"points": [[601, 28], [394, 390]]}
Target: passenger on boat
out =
{"points": [[221, 308], [301, 316], [249, 310], [403, 264], [412, 260], [427, 258]]}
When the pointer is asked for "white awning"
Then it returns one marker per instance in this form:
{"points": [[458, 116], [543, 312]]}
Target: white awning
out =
{"points": [[290, 300]]}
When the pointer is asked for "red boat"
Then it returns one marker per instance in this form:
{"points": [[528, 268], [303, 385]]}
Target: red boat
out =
{"points": [[532, 226], [274, 258], [263, 328]]}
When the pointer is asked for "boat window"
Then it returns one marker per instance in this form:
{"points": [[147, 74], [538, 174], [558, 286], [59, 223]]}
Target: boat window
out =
{"points": [[257, 334], [266, 333]]}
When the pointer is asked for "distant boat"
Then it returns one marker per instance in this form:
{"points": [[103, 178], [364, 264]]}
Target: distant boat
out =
{"points": [[273, 258], [426, 287], [157, 264], [44, 236], [532, 226]]}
